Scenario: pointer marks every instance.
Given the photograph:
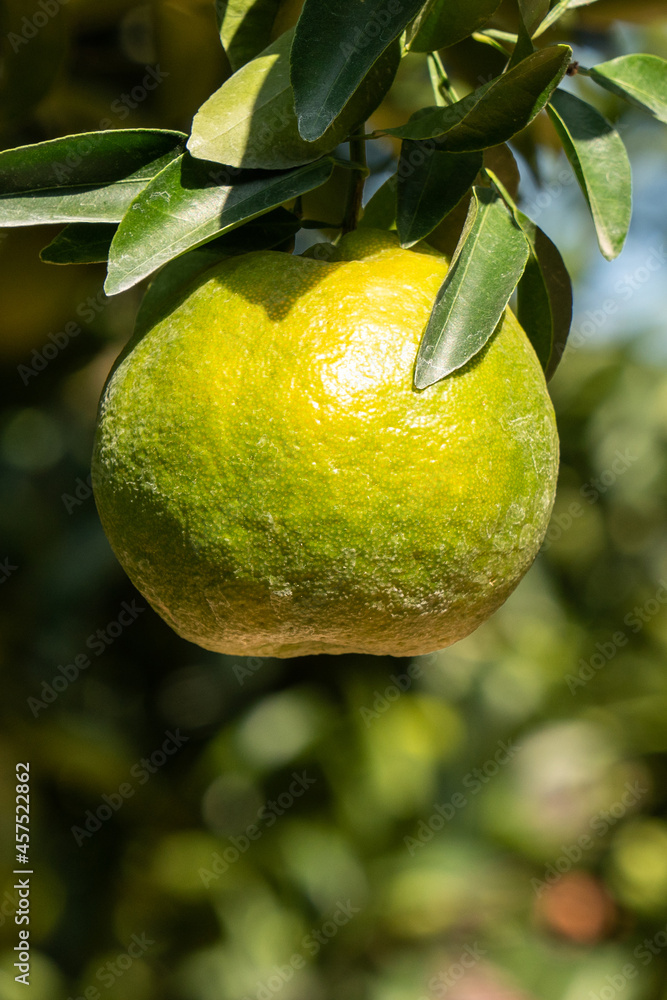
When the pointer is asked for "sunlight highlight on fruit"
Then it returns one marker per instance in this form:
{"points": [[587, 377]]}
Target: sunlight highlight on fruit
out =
{"points": [[272, 482]]}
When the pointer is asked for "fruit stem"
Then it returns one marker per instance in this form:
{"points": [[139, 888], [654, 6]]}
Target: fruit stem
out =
{"points": [[359, 175]]}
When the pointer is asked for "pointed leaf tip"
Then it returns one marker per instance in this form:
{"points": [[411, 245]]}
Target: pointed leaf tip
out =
{"points": [[430, 184], [91, 177], [184, 207], [497, 110], [485, 270], [600, 162], [638, 78], [335, 45]]}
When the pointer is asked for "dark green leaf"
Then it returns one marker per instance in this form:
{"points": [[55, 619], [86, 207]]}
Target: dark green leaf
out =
{"points": [[544, 297], [250, 122], [190, 203], [496, 111], [327, 204], [335, 45], [80, 243], [447, 235], [380, 210], [500, 159], [485, 269], [533, 13], [245, 27], [600, 162], [265, 232], [544, 291], [524, 46], [446, 22], [82, 178], [435, 121], [639, 78], [430, 184]]}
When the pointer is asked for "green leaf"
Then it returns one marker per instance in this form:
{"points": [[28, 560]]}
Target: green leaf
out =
{"points": [[80, 243], [325, 207], [490, 38], [544, 291], [335, 45], [438, 85], [187, 205], [500, 159], [485, 269], [557, 12], [250, 122], [524, 46], [380, 210], [445, 22], [446, 236], [430, 184], [600, 162], [91, 177], [533, 13], [273, 229], [638, 78], [544, 297], [496, 111], [245, 27]]}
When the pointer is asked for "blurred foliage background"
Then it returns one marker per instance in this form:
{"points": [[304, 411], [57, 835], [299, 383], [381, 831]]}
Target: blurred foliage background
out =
{"points": [[486, 823]]}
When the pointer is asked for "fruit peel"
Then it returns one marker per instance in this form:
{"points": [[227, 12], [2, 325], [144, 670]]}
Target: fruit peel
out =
{"points": [[273, 484]]}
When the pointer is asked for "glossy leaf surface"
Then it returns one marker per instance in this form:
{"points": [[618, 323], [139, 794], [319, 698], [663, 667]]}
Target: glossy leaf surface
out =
{"points": [[495, 112], [446, 22], [430, 184], [91, 177], [600, 162], [250, 121], [245, 27], [485, 270], [640, 79], [335, 45], [186, 206]]}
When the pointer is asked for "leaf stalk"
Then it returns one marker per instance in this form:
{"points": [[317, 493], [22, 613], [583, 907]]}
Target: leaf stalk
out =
{"points": [[357, 181], [444, 89]]}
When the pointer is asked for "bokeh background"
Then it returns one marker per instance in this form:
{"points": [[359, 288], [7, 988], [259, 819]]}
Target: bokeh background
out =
{"points": [[486, 823]]}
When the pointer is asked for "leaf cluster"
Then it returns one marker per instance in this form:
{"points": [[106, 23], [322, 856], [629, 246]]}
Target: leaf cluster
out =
{"points": [[271, 135]]}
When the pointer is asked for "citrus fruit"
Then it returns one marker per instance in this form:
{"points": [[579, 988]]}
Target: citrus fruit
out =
{"points": [[274, 485]]}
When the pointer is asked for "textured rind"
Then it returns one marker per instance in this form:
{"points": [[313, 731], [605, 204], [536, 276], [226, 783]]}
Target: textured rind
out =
{"points": [[273, 484]]}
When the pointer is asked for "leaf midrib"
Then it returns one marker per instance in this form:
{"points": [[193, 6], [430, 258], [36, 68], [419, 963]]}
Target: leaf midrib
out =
{"points": [[469, 249]]}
